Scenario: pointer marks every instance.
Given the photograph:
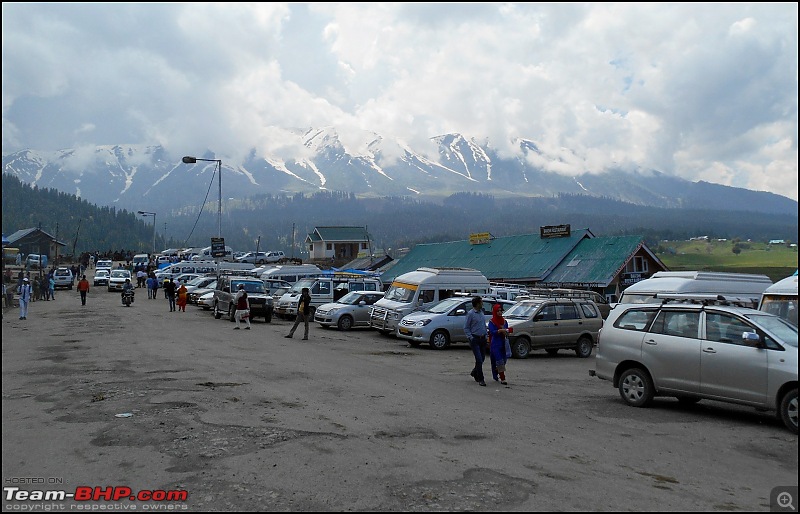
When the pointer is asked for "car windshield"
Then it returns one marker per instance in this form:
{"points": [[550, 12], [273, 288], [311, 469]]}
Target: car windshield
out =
{"points": [[351, 298], [299, 285], [63, 272], [522, 310], [120, 273], [199, 281], [444, 305], [250, 287], [101, 273], [786, 332], [212, 285], [400, 293]]}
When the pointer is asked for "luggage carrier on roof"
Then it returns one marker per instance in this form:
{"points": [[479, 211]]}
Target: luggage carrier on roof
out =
{"points": [[708, 299]]}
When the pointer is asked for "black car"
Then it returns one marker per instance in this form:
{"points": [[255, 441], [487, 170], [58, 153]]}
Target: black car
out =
{"points": [[225, 292]]}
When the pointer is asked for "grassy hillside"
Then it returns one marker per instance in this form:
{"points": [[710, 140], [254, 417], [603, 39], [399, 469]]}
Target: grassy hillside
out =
{"points": [[775, 261]]}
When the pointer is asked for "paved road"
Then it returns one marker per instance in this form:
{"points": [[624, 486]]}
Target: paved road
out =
{"points": [[249, 420]]}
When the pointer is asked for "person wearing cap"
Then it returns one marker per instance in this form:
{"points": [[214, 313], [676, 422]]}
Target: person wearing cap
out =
{"points": [[24, 298], [242, 308], [83, 288]]}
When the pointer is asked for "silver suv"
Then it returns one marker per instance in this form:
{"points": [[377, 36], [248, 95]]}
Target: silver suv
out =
{"points": [[553, 324], [694, 351], [225, 292]]}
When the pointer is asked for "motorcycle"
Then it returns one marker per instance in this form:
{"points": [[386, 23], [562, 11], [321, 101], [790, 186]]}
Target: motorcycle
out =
{"points": [[127, 297]]}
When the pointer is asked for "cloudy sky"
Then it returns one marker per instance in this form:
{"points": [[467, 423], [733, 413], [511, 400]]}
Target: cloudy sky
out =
{"points": [[702, 91]]}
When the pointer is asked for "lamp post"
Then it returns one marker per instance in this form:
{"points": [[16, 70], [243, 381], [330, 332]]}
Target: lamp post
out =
{"points": [[145, 213], [193, 160]]}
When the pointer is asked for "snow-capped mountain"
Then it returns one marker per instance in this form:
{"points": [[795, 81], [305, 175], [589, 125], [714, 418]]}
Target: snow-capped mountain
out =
{"points": [[146, 177]]}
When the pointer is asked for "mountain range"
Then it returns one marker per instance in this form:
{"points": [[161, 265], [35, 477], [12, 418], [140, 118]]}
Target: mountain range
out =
{"points": [[147, 177]]}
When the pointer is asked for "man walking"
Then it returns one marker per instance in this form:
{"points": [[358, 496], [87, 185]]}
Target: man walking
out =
{"points": [[169, 291], [242, 308], [475, 327], [83, 288], [24, 298], [303, 312]]}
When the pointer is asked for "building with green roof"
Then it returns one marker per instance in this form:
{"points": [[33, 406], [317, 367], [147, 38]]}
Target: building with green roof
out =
{"points": [[578, 260]]}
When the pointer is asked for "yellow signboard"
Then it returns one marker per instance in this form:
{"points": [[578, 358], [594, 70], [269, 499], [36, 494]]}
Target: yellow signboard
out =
{"points": [[480, 239]]}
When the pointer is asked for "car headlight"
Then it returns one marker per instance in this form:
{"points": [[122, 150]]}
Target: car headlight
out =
{"points": [[331, 312], [293, 304], [422, 323]]}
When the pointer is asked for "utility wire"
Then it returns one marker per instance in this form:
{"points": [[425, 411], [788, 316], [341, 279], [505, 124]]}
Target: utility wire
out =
{"points": [[186, 243]]}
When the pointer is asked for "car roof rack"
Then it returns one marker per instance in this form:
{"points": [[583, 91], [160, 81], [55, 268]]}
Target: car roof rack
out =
{"points": [[708, 299]]}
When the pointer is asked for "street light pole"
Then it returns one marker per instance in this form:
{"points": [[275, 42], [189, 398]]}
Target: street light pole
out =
{"points": [[193, 160], [145, 213]]}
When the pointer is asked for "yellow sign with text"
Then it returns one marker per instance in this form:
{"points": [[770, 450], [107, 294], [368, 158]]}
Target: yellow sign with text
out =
{"points": [[480, 239]]}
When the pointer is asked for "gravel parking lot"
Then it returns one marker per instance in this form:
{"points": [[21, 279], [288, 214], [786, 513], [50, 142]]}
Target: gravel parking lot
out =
{"points": [[249, 420]]}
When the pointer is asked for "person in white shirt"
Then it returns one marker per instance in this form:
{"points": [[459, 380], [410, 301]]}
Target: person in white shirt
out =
{"points": [[24, 298]]}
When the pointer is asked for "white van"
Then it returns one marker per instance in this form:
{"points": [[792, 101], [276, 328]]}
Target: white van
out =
{"points": [[781, 299], [324, 289], [205, 254], [141, 259], [421, 288], [743, 286], [179, 268], [290, 273]]}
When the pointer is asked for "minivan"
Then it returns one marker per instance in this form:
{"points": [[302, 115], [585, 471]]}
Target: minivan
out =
{"points": [[324, 289], [421, 289], [741, 285], [694, 351], [781, 299]]}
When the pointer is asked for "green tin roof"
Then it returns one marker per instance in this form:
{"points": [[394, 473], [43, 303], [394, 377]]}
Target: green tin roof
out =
{"points": [[513, 258], [595, 262], [333, 234]]}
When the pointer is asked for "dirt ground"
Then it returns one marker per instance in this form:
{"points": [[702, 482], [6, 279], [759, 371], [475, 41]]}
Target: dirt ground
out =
{"points": [[249, 420]]}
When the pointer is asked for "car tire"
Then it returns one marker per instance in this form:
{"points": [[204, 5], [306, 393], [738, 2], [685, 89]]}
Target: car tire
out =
{"points": [[345, 322], [440, 340], [268, 316], [584, 348], [788, 410], [552, 351], [636, 387], [521, 348], [261, 262], [231, 314], [217, 312], [414, 344]]}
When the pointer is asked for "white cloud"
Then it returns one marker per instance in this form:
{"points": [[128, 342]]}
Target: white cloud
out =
{"points": [[701, 91]]}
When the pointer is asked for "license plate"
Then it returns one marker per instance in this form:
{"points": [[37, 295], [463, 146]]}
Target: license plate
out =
{"points": [[405, 331]]}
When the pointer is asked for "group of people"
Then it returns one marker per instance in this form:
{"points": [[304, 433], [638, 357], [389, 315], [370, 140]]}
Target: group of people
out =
{"points": [[491, 338]]}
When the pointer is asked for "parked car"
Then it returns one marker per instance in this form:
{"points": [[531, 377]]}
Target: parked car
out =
{"points": [[63, 278], [101, 277], [185, 278], [197, 293], [253, 258], [261, 304], [206, 300], [117, 279], [695, 351], [553, 324], [351, 310], [275, 256], [201, 282], [443, 323], [274, 285]]}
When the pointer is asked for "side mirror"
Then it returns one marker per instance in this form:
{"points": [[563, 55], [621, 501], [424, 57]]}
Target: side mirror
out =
{"points": [[752, 339], [460, 312], [362, 302]]}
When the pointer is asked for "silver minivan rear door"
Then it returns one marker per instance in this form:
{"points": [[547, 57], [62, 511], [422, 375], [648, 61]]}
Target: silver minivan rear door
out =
{"points": [[729, 367], [671, 350]]}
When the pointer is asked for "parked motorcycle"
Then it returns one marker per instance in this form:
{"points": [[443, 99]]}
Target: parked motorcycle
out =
{"points": [[127, 297]]}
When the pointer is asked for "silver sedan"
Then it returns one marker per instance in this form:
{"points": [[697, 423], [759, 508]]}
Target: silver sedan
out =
{"points": [[352, 310]]}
